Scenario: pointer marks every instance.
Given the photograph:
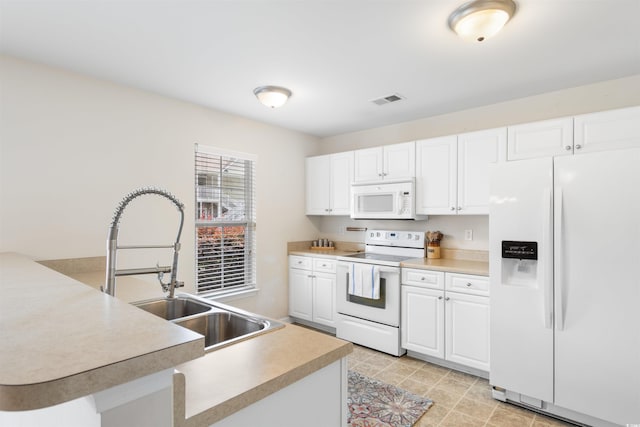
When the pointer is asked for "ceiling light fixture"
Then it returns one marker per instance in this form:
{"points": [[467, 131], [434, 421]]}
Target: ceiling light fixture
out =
{"points": [[272, 96], [480, 19]]}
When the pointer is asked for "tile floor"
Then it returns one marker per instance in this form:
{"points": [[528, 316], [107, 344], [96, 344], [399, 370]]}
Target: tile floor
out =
{"points": [[459, 400]]}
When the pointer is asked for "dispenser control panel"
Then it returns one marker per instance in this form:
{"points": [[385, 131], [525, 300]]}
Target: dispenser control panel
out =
{"points": [[519, 250]]}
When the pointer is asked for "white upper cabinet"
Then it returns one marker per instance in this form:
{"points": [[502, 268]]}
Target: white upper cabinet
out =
{"points": [[607, 130], [437, 175], [328, 184], [476, 151], [452, 172], [540, 139], [389, 162]]}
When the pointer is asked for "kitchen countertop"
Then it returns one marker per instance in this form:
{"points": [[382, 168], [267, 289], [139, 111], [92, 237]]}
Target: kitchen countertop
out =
{"points": [[480, 268], [62, 340], [322, 254], [207, 388], [475, 263], [227, 380]]}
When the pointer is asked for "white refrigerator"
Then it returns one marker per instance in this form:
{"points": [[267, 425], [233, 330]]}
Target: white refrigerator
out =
{"points": [[565, 285]]}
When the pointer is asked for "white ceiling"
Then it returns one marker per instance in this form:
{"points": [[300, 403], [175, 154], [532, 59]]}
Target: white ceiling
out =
{"points": [[335, 55]]}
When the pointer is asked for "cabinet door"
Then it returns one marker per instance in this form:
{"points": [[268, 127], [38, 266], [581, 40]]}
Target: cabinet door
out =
{"points": [[316, 185], [436, 175], [341, 177], [324, 299], [540, 139], [367, 165], [476, 150], [399, 161], [607, 130], [300, 294], [467, 334], [422, 328]]}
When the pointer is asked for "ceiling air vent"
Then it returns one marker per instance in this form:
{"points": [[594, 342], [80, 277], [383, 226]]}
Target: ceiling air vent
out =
{"points": [[388, 99]]}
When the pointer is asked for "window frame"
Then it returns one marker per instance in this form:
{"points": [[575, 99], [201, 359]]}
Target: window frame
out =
{"points": [[248, 221]]}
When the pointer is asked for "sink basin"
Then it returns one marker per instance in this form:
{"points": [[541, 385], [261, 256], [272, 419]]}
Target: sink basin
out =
{"points": [[220, 324], [173, 308], [222, 328]]}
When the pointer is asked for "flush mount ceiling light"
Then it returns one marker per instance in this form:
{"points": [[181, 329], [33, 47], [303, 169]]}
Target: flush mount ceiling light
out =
{"points": [[272, 96], [480, 19]]}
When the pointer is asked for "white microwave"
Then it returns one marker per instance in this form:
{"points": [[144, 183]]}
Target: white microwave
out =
{"points": [[385, 200]]}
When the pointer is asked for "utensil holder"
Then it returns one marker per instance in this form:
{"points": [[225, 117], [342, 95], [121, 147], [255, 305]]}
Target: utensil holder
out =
{"points": [[433, 250]]}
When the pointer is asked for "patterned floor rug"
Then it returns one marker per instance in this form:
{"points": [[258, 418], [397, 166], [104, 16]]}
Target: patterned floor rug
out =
{"points": [[373, 403]]}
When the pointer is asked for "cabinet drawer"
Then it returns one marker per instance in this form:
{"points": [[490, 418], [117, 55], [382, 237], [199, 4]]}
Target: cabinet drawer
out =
{"points": [[423, 278], [476, 285], [301, 262], [324, 265]]}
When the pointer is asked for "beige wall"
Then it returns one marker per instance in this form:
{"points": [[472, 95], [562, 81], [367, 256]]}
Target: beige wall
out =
{"points": [[72, 146], [601, 96]]}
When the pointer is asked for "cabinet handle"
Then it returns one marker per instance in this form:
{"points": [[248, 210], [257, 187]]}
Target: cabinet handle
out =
{"points": [[439, 297], [568, 148], [468, 284], [459, 208], [578, 146], [422, 278], [453, 208], [447, 299]]}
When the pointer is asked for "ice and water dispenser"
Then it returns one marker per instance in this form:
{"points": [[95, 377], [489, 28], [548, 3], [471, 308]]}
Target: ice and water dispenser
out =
{"points": [[519, 263]]}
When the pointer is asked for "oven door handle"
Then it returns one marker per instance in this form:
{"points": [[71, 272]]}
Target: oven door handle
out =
{"points": [[392, 270], [389, 270]]}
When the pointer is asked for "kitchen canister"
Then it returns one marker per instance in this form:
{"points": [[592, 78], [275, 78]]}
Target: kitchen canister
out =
{"points": [[433, 250], [433, 244]]}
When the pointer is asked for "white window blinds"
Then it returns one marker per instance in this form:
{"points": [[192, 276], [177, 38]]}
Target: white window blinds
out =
{"points": [[225, 220]]}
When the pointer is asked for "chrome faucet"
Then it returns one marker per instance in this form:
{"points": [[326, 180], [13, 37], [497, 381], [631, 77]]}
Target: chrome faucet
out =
{"points": [[112, 247]]}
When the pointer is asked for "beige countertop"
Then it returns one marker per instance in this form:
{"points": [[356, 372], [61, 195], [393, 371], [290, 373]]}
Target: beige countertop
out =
{"points": [[480, 268], [227, 380], [112, 333], [456, 260], [321, 253], [62, 340]]}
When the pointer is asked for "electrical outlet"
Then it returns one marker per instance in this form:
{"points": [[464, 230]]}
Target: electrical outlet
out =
{"points": [[468, 234], [341, 229]]}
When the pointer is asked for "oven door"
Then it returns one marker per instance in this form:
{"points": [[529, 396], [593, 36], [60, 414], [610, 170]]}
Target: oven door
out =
{"points": [[385, 310]]}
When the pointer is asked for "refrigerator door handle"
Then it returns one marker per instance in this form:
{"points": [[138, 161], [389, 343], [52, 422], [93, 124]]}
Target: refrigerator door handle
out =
{"points": [[559, 260], [547, 262]]}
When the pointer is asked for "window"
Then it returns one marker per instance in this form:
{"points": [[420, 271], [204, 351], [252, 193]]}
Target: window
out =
{"points": [[225, 221]]}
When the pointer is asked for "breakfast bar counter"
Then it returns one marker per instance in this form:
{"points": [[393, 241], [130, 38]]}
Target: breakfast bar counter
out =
{"points": [[62, 340]]}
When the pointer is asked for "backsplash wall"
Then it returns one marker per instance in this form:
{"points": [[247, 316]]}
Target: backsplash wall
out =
{"points": [[452, 226]]}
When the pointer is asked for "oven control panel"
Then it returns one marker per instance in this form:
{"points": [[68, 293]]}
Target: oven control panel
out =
{"points": [[410, 239]]}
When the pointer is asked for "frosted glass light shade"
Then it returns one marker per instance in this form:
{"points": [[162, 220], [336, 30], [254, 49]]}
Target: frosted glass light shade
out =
{"points": [[272, 96], [481, 19]]}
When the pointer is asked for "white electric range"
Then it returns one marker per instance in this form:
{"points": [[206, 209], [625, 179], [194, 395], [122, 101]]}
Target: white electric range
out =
{"points": [[372, 318]]}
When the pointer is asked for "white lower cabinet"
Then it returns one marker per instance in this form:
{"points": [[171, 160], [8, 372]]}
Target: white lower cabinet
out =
{"points": [[446, 316], [467, 330], [312, 290], [423, 321]]}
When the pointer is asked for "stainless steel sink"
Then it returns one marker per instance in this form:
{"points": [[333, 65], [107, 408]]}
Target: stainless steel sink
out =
{"points": [[220, 324], [173, 308], [223, 328]]}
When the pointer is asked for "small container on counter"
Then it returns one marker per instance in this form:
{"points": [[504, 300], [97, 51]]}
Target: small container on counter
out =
{"points": [[433, 250]]}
